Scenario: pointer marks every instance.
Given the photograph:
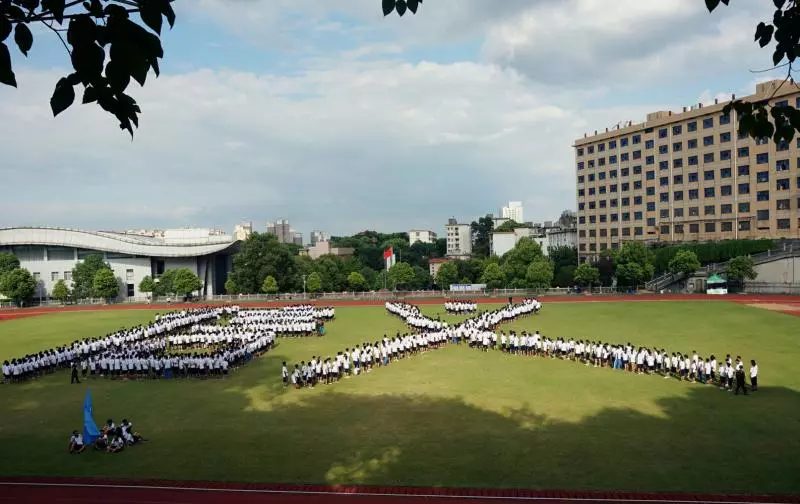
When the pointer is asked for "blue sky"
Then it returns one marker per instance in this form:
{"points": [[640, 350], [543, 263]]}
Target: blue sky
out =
{"points": [[344, 120]]}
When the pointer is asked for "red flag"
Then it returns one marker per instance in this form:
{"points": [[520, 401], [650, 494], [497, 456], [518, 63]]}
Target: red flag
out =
{"points": [[388, 253]]}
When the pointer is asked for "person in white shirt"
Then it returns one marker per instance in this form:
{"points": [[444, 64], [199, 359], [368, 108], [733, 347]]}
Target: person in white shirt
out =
{"points": [[76, 443], [753, 375]]}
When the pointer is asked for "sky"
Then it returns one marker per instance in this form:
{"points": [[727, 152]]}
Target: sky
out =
{"points": [[337, 118]]}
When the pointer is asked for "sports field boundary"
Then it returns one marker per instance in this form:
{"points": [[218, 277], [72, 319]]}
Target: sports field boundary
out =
{"points": [[61, 487], [747, 299]]}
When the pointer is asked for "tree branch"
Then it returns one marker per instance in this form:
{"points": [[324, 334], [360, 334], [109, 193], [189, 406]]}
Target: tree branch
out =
{"points": [[63, 42]]}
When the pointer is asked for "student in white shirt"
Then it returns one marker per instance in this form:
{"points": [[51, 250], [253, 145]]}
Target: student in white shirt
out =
{"points": [[76, 443], [753, 375]]}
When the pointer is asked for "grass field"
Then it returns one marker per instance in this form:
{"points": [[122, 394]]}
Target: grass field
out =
{"points": [[452, 417]]}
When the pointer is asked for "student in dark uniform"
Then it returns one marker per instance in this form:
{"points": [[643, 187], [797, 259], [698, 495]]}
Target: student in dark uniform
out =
{"points": [[740, 380], [74, 378]]}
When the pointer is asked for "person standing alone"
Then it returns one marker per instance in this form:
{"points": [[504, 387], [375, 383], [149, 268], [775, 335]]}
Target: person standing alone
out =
{"points": [[753, 375], [740, 380], [74, 378]]}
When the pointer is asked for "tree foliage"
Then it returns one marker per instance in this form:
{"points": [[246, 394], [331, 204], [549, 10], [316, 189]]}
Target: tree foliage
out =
{"points": [[261, 255], [741, 268], [107, 46], [18, 285], [493, 276], [104, 284], [400, 6], [481, 231], [711, 252], [8, 262], [270, 285], [539, 274], [447, 275], [147, 284], [510, 225], [760, 119], [83, 275], [60, 291], [515, 262], [356, 281], [401, 275], [685, 263], [185, 282], [230, 287], [314, 282], [586, 275], [634, 264]]}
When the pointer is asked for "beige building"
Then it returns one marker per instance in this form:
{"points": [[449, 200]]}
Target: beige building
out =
{"points": [[459, 239], [434, 265], [322, 248], [687, 176], [421, 235]]}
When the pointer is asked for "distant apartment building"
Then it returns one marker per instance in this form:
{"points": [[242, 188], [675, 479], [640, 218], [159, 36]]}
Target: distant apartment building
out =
{"points": [[434, 265], [324, 247], [562, 237], [284, 232], [513, 211], [421, 235], [242, 232], [318, 236], [687, 176], [459, 240]]}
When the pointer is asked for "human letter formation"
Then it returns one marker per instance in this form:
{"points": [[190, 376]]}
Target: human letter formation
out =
{"points": [[180, 344]]}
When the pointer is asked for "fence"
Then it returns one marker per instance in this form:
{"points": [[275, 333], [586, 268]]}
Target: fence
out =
{"points": [[500, 294], [772, 288]]}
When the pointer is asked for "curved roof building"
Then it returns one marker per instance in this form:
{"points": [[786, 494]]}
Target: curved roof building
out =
{"points": [[51, 253]]}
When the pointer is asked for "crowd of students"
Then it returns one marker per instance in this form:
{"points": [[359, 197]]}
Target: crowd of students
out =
{"points": [[113, 438], [426, 334], [298, 320], [182, 344], [460, 306]]}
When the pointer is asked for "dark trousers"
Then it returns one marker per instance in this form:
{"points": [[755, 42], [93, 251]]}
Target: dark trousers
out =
{"points": [[740, 385], [754, 383], [74, 378]]}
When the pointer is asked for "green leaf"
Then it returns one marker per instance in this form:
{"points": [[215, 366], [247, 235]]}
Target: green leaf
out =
{"points": [[30, 4], [117, 75], [7, 76], [779, 3], [711, 5], [388, 7], [63, 96], [401, 7], [24, 38], [5, 27], [412, 5], [90, 95]]}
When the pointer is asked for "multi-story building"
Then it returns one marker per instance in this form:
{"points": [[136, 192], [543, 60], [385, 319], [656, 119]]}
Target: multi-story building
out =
{"points": [[318, 236], [434, 265], [513, 211], [284, 232], [421, 235], [322, 248], [242, 231], [687, 176], [459, 240]]}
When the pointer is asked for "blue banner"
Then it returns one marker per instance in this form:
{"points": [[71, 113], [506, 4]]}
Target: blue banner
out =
{"points": [[90, 430]]}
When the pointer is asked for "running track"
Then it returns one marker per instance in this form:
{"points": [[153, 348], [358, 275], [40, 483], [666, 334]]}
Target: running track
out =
{"points": [[97, 491]]}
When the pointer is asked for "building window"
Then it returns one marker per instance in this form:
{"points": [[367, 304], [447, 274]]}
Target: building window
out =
{"points": [[744, 225], [709, 210], [677, 179], [612, 188], [694, 211], [762, 176], [694, 194], [783, 224], [612, 144], [663, 165], [626, 231], [693, 177], [691, 144], [129, 275], [725, 173], [625, 172], [711, 227], [651, 221], [614, 217], [782, 165], [664, 213], [692, 160], [626, 216], [37, 277], [676, 130], [650, 175], [678, 212], [782, 204], [726, 208], [782, 184], [725, 190], [637, 216], [762, 215], [708, 157], [68, 276], [744, 207], [603, 218], [708, 192], [744, 170], [601, 147], [580, 151], [626, 201], [692, 126], [637, 231], [637, 154], [591, 163], [649, 160], [694, 228], [663, 149], [726, 227], [580, 165], [708, 122], [677, 146], [663, 133], [626, 186], [601, 175], [623, 142], [637, 170], [651, 206], [624, 156], [762, 196], [651, 191], [744, 151], [663, 181], [601, 161], [708, 175], [783, 145], [592, 219], [677, 196], [724, 137], [580, 179], [636, 139], [762, 158], [54, 276], [637, 200], [678, 228], [724, 119], [724, 155], [649, 144], [665, 229], [612, 159], [744, 188], [581, 192], [707, 141]]}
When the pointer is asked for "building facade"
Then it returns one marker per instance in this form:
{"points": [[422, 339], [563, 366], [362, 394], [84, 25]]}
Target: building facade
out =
{"points": [[562, 237], [242, 231], [421, 235], [434, 265], [50, 254], [513, 211], [324, 248], [318, 236], [459, 240], [687, 177]]}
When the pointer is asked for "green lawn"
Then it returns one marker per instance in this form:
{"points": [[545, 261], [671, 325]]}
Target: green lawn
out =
{"points": [[452, 417]]}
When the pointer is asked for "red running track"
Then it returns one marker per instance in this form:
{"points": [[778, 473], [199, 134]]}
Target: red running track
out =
{"points": [[11, 313], [96, 491]]}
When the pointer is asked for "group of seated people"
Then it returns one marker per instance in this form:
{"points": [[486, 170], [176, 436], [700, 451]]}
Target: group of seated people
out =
{"points": [[113, 438], [460, 306]]}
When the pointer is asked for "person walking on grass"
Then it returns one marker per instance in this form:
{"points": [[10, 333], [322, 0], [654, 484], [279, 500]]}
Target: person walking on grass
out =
{"points": [[740, 381], [753, 375]]}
